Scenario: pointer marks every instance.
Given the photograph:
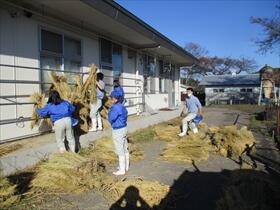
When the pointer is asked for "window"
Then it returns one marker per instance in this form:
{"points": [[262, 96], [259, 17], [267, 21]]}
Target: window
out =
{"points": [[149, 73], [59, 52], [249, 90], [51, 42], [218, 90], [117, 60], [149, 66], [111, 57], [242, 90], [161, 76], [106, 51]]}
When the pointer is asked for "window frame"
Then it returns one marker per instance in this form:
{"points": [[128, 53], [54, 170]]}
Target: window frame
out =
{"points": [[57, 55], [106, 65]]}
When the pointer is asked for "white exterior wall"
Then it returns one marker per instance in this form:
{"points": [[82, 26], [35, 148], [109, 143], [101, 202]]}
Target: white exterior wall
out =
{"points": [[156, 101], [19, 45], [177, 88]]}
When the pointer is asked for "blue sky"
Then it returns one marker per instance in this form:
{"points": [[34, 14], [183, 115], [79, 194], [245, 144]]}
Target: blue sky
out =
{"points": [[221, 26]]}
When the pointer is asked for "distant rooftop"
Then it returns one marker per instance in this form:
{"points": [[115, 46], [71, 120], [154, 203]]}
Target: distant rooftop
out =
{"points": [[230, 80]]}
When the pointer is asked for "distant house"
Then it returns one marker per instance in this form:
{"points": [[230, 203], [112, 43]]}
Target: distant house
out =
{"points": [[231, 89]]}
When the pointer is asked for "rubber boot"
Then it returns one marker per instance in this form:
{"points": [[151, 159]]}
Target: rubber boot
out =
{"points": [[121, 170], [72, 148], [99, 124], [93, 126], [126, 161], [184, 130]]}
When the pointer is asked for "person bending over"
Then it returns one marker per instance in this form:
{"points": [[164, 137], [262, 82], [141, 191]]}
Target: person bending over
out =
{"points": [[193, 107]]}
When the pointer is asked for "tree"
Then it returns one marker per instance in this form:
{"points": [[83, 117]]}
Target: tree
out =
{"points": [[217, 65], [271, 27]]}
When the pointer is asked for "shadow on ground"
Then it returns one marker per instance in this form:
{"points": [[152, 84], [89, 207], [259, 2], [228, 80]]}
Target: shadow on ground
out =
{"points": [[225, 190]]}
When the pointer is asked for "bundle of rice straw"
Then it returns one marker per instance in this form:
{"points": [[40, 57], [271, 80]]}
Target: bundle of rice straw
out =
{"points": [[81, 95], [39, 101], [228, 141], [137, 193], [231, 141], [193, 148], [7, 193], [250, 189], [69, 172]]}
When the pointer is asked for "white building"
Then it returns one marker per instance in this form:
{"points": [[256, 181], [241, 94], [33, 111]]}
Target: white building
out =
{"points": [[231, 89], [41, 35]]}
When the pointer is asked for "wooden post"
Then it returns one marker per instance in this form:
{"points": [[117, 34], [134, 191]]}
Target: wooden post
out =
{"points": [[274, 90], [260, 96], [278, 122]]}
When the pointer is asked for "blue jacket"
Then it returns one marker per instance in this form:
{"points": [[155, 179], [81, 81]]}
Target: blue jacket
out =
{"points": [[57, 112], [118, 116]]}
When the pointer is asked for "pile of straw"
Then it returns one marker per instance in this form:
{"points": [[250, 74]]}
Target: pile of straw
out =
{"points": [[230, 141], [137, 193], [194, 148], [7, 193], [227, 141], [69, 172], [103, 149], [81, 94], [249, 189]]}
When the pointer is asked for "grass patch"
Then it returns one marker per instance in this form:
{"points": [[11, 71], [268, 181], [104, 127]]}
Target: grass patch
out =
{"points": [[254, 123], [142, 135]]}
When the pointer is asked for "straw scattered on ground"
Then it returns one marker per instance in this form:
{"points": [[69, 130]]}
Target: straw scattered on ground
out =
{"points": [[8, 195], [137, 192], [6, 149], [195, 148], [69, 172], [103, 149]]}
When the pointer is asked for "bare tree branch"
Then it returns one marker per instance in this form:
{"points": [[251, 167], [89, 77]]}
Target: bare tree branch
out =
{"points": [[271, 28]]}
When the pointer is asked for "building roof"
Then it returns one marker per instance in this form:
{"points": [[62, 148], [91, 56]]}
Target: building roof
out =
{"points": [[105, 19], [230, 80]]}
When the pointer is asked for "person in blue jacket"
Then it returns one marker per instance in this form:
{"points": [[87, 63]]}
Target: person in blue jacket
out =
{"points": [[119, 88], [60, 111], [118, 119]]}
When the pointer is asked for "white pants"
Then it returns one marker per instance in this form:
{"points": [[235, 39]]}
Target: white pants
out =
{"points": [[62, 128], [94, 109], [186, 121], [120, 141]]}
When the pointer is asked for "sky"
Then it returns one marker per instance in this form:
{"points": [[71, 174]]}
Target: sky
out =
{"points": [[221, 26]]}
